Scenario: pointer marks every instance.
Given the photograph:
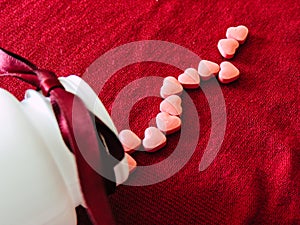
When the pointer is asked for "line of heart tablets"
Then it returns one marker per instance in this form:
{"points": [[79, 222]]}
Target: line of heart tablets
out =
{"points": [[168, 120]]}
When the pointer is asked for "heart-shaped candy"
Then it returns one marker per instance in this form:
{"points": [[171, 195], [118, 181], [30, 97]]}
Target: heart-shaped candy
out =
{"points": [[228, 72], [171, 105], [238, 33], [131, 163], [154, 139], [167, 123], [189, 79], [208, 69], [227, 47], [129, 140], [171, 86]]}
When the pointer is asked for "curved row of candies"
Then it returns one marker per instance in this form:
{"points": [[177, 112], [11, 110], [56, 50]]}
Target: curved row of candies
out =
{"points": [[168, 120]]}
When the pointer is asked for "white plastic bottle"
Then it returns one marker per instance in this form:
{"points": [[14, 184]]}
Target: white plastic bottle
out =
{"points": [[39, 182]]}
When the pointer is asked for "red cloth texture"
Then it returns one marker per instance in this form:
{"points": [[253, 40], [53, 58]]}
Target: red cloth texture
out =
{"points": [[255, 177]]}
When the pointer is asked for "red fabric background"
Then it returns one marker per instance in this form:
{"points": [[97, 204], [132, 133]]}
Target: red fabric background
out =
{"points": [[255, 177]]}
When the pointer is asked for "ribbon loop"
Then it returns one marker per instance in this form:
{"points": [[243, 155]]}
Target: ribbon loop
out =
{"points": [[48, 81]]}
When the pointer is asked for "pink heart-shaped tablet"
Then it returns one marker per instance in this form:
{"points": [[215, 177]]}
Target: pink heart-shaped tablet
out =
{"points": [[168, 123], [228, 72], [129, 140], [189, 79], [171, 86], [131, 163], [238, 33], [208, 69], [171, 105], [154, 139], [227, 47]]}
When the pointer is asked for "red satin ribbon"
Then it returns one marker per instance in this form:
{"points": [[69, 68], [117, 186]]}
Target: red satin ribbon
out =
{"points": [[71, 112]]}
